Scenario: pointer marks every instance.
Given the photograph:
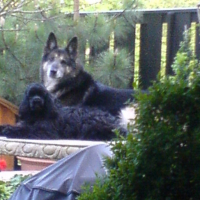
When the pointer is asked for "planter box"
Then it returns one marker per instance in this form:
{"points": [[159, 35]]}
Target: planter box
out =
{"points": [[34, 164]]}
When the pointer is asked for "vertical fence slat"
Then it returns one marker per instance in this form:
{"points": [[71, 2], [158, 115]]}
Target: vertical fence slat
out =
{"points": [[197, 46], [131, 48], [177, 22], [170, 52], [150, 49]]}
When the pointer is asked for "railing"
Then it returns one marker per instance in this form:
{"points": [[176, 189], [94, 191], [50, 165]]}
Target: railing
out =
{"points": [[151, 40], [160, 33]]}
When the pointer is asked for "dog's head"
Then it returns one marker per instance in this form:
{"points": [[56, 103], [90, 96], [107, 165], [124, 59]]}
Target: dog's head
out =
{"points": [[36, 102], [36, 95], [58, 63]]}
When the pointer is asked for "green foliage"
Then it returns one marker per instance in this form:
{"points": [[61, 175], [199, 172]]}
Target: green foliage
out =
{"points": [[4, 194], [20, 65], [162, 159], [113, 68], [24, 34], [7, 188], [169, 126], [22, 39], [87, 5], [167, 4], [119, 184], [185, 66], [98, 30]]}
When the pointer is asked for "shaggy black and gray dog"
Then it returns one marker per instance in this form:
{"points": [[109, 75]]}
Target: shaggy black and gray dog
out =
{"points": [[41, 117]]}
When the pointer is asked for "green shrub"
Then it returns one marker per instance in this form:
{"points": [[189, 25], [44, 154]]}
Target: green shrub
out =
{"points": [[119, 184], [7, 188], [161, 161]]}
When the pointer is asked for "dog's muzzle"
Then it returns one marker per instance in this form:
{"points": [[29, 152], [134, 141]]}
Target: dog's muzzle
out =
{"points": [[53, 72], [36, 103]]}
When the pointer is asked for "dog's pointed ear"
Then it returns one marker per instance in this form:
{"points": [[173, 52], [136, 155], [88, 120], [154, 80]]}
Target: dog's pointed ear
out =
{"points": [[72, 48], [51, 43]]}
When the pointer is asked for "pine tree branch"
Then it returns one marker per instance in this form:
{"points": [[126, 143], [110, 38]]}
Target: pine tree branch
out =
{"points": [[13, 6], [36, 35], [95, 23], [8, 8], [12, 30], [6, 5], [8, 48], [36, 20], [128, 21], [24, 12], [115, 58], [122, 13]]}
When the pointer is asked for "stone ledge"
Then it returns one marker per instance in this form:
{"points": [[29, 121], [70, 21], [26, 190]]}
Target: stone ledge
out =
{"points": [[45, 149]]}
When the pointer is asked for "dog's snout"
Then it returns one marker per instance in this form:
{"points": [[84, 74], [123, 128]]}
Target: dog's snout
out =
{"points": [[37, 100], [53, 70], [36, 103]]}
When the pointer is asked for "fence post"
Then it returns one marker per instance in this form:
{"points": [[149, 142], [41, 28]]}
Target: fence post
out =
{"points": [[150, 49]]}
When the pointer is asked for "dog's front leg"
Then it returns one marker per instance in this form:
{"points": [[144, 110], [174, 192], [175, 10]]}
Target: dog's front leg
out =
{"points": [[13, 131]]}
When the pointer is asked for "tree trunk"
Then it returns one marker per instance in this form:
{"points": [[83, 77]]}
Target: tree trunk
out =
{"points": [[76, 10]]}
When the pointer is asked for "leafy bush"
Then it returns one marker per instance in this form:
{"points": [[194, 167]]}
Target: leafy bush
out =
{"points": [[7, 188], [161, 161]]}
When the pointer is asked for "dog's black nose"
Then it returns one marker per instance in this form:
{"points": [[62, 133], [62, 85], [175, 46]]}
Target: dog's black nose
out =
{"points": [[36, 103], [37, 100], [53, 72]]}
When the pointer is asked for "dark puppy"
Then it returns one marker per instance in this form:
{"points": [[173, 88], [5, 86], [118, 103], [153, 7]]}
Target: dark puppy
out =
{"points": [[66, 79], [41, 117]]}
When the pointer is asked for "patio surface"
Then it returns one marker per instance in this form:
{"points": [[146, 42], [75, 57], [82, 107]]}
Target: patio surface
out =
{"points": [[7, 175]]}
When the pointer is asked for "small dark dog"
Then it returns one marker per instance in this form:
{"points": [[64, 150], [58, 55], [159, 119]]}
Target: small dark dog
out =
{"points": [[66, 79], [41, 117]]}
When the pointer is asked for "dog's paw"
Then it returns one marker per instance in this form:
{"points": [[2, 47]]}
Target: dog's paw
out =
{"points": [[3, 130]]}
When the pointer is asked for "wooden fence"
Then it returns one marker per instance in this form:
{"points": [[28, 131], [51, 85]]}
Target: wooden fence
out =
{"points": [[154, 24]]}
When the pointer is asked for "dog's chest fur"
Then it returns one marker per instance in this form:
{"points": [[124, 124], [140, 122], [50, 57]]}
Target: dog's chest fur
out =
{"points": [[85, 91], [73, 91], [71, 98]]}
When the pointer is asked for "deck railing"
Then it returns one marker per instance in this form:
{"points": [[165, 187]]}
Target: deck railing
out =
{"points": [[158, 35]]}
